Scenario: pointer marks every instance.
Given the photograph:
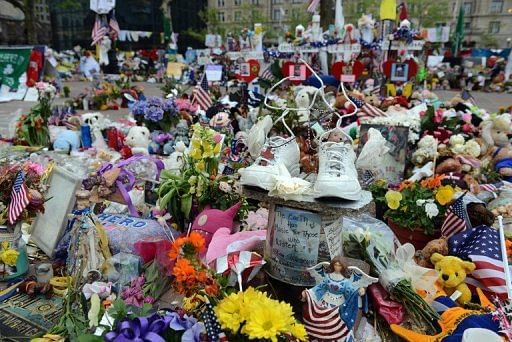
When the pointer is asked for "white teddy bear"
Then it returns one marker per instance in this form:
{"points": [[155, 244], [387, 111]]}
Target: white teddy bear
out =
{"points": [[138, 139], [426, 151], [303, 100]]}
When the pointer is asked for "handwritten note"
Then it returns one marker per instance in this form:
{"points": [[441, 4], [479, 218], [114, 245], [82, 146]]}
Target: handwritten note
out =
{"points": [[333, 237], [295, 243]]}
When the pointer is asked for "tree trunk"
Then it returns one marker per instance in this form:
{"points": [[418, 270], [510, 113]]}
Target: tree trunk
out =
{"points": [[326, 13], [30, 22]]}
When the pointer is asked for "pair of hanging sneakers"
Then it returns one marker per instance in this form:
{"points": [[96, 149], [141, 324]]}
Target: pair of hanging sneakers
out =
{"points": [[337, 174]]}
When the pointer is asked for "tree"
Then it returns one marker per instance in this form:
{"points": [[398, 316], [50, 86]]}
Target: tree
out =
{"points": [[27, 7]]}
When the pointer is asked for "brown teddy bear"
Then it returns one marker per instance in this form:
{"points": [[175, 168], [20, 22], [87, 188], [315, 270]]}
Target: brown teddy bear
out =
{"points": [[451, 168], [422, 257]]}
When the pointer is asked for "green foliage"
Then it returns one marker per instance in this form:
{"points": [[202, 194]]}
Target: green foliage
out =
{"points": [[69, 5]]}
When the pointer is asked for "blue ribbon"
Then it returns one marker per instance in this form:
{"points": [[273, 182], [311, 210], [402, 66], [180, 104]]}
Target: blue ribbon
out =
{"points": [[140, 329]]}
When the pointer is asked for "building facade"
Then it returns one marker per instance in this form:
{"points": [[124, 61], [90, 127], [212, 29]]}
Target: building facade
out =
{"points": [[12, 23], [488, 23], [277, 16]]}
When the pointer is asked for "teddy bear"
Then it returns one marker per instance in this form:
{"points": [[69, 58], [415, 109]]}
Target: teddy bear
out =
{"points": [[426, 151], [451, 168], [373, 100], [138, 139], [452, 272], [304, 96], [494, 134], [422, 257]]}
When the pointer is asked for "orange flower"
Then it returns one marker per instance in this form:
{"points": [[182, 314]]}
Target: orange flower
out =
{"points": [[212, 289], [406, 184], [197, 240], [432, 182], [183, 270]]}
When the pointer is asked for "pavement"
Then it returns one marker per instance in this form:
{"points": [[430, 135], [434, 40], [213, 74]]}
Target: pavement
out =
{"points": [[489, 101]]}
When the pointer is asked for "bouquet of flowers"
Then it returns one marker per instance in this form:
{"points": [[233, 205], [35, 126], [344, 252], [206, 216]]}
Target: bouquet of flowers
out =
{"points": [[252, 314], [32, 128], [418, 205], [191, 275], [32, 175], [199, 183], [156, 113]]}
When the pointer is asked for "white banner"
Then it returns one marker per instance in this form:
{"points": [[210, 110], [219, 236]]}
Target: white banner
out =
{"points": [[102, 6], [400, 45]]}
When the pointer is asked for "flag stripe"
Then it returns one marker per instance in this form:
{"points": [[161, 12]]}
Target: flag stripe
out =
{"points": [[201, 96], [19, 198], [323, 322]]}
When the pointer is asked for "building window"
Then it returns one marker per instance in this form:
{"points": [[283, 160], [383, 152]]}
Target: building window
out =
{"points": [[238, 2], [220, 3], [496, 6], [238, 16], [297, 1], [276, 14], [220, 16], [255, 2], [467, 26], [276, 2], [468, 7], [494, 27]]}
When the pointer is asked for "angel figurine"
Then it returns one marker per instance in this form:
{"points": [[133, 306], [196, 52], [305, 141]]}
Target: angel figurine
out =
{"points": [[334, 301]]}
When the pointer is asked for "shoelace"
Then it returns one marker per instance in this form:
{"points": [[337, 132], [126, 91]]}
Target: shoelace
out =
{"points": [[271, 144], [335, 154]]}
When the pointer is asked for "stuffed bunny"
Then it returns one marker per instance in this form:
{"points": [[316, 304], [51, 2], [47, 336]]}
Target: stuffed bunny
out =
{"points": [[138, 139]]}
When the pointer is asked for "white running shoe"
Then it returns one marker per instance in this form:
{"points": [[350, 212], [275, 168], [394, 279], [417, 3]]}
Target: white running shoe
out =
{"points": [[337, 174], [275, 151]]}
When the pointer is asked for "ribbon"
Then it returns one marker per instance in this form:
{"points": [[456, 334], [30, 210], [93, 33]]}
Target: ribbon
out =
{"points": [[141, 329], [126, 179]]}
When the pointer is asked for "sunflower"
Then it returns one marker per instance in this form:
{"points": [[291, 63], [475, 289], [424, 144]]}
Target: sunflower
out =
{"points": [[269, 321], [445, 194]]}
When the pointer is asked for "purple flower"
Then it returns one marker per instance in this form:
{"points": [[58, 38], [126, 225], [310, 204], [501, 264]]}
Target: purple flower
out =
{"points": [[169, 107], [139, 107], [154, 101], [154, 113]]}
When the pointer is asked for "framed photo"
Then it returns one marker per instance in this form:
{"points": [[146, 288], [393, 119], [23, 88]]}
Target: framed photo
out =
{"points": [[392, 167], [245, 69], [298, 72], [399, 72]]}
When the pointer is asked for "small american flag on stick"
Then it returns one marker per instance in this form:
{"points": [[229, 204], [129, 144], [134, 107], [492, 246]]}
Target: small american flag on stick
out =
{"points": [[19, 197], [99, 30], [366, 111], [201, 96], [114, 26], [454, 220]]}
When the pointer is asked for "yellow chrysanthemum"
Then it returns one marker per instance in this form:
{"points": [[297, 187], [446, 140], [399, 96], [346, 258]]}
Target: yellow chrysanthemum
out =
{"points": [[228, 312], [393, 199], [196, 143], [251, 300], [445, 194], [269, 322], [299, 331]]}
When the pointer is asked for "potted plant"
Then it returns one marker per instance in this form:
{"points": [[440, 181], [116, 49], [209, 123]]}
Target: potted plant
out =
{"points": [[415, 210]]}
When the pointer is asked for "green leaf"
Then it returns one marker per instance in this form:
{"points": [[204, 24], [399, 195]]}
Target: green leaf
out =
{"points": [[90, 338], [186, 205], [165, 200]]}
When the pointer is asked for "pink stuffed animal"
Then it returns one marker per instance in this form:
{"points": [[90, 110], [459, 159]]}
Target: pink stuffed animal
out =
{"points": [[209, 220]]}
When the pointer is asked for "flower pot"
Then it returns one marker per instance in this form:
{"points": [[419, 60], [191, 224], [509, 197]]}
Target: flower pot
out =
{"points": [[416, 237]]}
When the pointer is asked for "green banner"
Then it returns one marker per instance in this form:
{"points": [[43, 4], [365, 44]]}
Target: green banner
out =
{"points": [[13, 63]]}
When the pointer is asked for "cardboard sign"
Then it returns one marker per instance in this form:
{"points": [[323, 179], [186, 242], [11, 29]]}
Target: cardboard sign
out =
{"points": [[213, 72], [298, 71], [348, 78]]}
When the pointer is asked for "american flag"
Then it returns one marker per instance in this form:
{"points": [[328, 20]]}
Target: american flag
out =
{"points": [[267, 75], [114, 26], [99, 30], [313, 5], [491, 187], [454, 221], [212, 325], [365, 110], [19, 197], [201, 96], [323, 323], [482, 245]]}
